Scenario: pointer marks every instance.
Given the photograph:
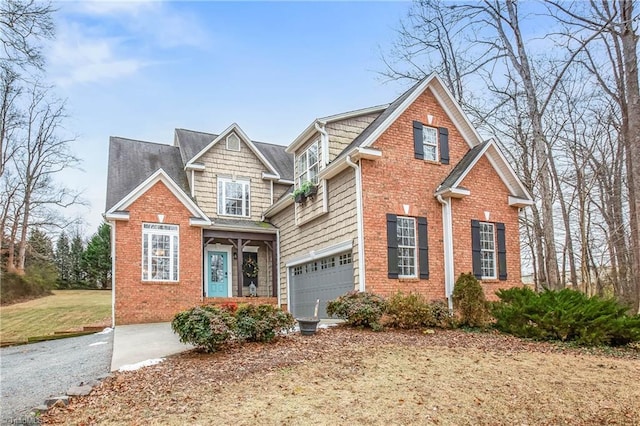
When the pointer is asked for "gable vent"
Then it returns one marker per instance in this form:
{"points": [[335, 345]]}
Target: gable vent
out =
{"points": [[233, 142]]}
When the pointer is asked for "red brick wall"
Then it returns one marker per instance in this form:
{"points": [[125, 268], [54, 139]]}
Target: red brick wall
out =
{"points": [[138, 301], [398, 179]]}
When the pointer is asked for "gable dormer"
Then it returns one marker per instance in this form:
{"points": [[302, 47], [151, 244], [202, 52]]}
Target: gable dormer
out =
{"points": [[230, 175]]}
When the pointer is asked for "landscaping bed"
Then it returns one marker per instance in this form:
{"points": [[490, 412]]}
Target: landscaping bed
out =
{"points": [[344, 375]]}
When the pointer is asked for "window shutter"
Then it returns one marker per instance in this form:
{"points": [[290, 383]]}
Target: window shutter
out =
{"points": [[392, 245], [502, 252], [444, 145], [417, 140], [423, 248], [475, 248]]}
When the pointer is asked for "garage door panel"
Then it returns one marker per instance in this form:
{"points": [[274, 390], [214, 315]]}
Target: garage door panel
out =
{"points": [[324, 279]]}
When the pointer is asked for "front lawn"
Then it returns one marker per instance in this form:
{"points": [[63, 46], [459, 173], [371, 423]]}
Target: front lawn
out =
{"points": [[345, 376], [65, 310]]}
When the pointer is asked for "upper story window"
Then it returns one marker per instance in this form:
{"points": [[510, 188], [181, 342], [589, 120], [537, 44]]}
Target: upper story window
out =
{"points": [[160, 245], [406, 232], [308, 165], [233, 142], [487, 250], [430, 143], [233, 197]]}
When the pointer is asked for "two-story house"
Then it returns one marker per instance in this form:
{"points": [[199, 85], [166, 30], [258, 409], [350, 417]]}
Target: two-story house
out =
{"points": [[406, 196]]}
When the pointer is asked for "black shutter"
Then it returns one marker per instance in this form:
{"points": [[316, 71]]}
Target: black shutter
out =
{"points": [[423, 248], [417, 140], [475, 248], [392, 244], [444, 145], [502, 252]]}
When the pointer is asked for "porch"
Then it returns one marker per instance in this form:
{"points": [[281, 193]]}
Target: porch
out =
{"points": [[240, 266]]}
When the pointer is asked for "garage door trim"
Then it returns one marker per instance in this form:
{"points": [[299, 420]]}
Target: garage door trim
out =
{"points": [[319, 254]]}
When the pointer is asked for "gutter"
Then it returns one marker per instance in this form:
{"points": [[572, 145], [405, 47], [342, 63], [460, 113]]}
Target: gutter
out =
{"points": [[447, 226], [360, 222], [112, 225]]}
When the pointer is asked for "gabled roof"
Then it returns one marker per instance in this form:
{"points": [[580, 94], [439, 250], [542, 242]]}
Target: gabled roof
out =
{"points": [[191, 143], [133, 161], [397, 107], [451, 184]]}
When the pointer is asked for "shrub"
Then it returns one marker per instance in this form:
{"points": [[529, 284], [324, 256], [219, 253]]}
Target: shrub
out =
{"points": [[35, 283], [206, 327], [565, 315], [359, 309], [469, 302], [261, 323], [441, 315], [408, 311]]}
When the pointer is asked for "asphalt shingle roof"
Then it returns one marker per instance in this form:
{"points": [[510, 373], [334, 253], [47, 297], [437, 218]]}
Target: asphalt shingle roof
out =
{"points": [[462, 166], [132, 161]]}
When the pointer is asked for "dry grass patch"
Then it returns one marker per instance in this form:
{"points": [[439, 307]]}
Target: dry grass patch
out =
{"points": [[65, 310], [345, 376]]}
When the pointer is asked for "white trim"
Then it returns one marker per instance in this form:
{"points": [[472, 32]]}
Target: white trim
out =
{"points": [[277, 254], [250, 249], [196, 221], [494, 251], [205, 265], [285, 181], [222, 227], [318, 254], [199, 167], [116, 216], [311, 128], [159, 176], [472, 165], [416, 266], [278, 206], [112, 225], [335, 167], [270, 176], [447, 229], [454, 193], [510, 170], [235, 128], [222, 196], [436, 144], [519, 202], [226, 140], [146, 236]]}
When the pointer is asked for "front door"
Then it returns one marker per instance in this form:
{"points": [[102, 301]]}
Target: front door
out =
{"points": [[218, 276]]}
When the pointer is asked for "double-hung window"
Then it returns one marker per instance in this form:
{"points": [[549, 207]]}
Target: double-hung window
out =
{"points": [[430, 143], [487, 250], [406, 231], [308, 165], [233, 197], [160, 246]]}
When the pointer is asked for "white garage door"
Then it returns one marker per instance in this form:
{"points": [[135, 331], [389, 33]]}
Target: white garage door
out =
{"points": [[323, 279]]}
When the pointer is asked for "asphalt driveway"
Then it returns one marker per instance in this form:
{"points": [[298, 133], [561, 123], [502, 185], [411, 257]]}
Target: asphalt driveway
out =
{"points": [[31, 373]]}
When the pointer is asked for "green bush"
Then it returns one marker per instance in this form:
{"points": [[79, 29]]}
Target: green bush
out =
{"points": [[206, 327], [261, 323], [441, 315], [359, 309], [469, 302], [408, 311], [565, 315]]}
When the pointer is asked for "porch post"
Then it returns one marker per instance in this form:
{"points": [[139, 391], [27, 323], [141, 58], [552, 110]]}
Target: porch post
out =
{"points": [[239, 267], [274, 270]]}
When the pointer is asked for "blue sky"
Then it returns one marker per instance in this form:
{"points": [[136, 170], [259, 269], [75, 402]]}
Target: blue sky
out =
{"points": [[141, 69]]}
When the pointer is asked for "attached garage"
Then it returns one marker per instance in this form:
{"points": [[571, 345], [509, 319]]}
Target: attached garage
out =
{"points": [[323, 279]]}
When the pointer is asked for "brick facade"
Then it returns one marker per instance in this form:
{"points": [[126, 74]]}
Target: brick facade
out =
{"points": [[398, 181], [138, 301]]}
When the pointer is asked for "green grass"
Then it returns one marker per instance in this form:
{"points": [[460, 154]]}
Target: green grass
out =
{"points": [[66, 310]]}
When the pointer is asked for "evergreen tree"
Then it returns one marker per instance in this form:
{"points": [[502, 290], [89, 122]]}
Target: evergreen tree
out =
{"points": [[63, 260], [76, 251], [97, 257], [40, 248]]}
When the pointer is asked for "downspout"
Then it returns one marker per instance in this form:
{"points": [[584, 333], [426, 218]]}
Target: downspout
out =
{"points": [[359, 219], [324, 141], [447, 226], [193, 184], [112, 225]]}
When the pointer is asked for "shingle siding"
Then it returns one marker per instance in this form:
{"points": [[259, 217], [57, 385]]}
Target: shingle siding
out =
{"points": [[342, 133]]}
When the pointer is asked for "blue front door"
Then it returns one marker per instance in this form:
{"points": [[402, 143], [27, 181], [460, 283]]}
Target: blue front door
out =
{"points": [[217, 276]]}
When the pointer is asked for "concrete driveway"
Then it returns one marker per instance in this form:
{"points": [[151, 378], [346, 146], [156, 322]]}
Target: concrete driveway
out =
{"points": [[140, 343], [31, 373]]}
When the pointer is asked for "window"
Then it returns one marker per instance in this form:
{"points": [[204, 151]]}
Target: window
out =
{"points": [[233, 142], [160, 252], [327, 263], [430, 143], [233, 197], [406, 233], [308, 165], [487, 250], [345, 259], [297, 270]]}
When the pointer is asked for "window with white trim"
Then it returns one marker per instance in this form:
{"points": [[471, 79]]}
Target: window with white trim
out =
{"points": [[160, 246], [233, 142], [233, 197], [430, 143], [406, 232], [487, 250], [308, 165]]}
